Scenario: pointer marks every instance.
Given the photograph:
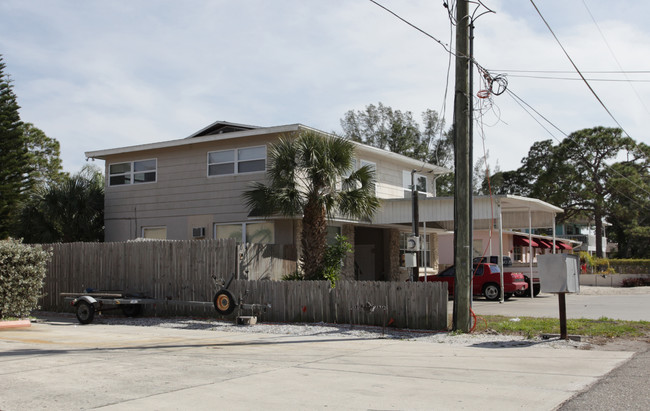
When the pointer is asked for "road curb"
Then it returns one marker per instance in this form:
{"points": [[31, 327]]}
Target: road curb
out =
{"points": [[15, 324]]}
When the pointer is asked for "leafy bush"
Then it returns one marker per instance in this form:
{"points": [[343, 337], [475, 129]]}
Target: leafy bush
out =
{"points": [[635, 282], [333, 260], [294, 276], [22, 270]]}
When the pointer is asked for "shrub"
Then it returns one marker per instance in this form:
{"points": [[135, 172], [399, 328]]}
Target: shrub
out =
{"points": [[294, 276], [635, 282], [333, 260], [22, 270]]}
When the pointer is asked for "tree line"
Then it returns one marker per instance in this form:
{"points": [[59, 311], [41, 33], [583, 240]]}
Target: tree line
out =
{"points": [[38, 201], [597, 175]]}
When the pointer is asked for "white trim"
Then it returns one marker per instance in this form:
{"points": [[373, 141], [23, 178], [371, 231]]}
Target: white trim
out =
{"points": [[101, 154], [131, 173], [361, 148], [236, 161]]}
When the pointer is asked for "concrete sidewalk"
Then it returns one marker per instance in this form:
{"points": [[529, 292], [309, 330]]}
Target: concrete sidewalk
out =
{"points": [[59, 364]]}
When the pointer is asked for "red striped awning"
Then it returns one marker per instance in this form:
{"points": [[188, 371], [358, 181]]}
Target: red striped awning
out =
{"points": [[522, 241], [564, 246]]}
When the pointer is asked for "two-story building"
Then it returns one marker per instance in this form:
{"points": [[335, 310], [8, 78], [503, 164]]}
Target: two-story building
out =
{"points": [[191, 188]]}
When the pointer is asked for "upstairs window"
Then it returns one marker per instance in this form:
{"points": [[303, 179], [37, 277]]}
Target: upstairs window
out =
{"points": [[420, 184], [132, 172], [237, 161]]}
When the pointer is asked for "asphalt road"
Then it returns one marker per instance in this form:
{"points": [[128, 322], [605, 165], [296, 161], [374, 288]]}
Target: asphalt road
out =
{"points": [[593, 302]]}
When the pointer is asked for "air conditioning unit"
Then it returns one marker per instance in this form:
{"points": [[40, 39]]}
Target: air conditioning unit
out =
{"points": [[198, 232]]}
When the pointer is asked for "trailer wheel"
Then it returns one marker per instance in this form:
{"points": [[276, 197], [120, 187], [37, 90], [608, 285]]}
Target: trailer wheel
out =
{"points": [[224, 302], [131, 310], [85, 312]]}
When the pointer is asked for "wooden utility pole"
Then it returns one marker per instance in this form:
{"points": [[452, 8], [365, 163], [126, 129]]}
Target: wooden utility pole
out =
{"points": [[463, 170]]}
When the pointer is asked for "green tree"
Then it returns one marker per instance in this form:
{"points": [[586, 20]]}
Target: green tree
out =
{"points": [[398, 132], [572, 175], [14, 159], [43, 153], [628, 204], [68, 210], [311, 175]]}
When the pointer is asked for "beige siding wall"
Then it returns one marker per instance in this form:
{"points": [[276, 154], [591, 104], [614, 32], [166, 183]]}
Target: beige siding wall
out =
{"points": [[389, 174], [183, 196]]}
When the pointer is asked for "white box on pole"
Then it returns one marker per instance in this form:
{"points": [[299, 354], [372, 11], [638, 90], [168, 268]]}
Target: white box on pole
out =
{"points": [[559, 273]]}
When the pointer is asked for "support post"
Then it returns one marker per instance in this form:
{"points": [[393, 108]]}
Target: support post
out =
{"points": [[415, 273], [562, 301]]}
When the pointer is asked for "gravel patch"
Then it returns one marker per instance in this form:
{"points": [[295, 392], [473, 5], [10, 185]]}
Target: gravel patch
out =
{"points": [[335, 331]]}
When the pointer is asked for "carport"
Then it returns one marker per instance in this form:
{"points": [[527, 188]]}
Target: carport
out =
{"points": [[501, 213]]}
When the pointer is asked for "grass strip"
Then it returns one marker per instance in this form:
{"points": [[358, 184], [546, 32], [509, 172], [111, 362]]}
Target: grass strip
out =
{"points": [[531, 327]]}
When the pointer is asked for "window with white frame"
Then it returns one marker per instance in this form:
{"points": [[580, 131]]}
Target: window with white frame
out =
{"points": [[132, 172], [260, 233], [421, 183], [237, 161], [157, 233], [373, 167]]}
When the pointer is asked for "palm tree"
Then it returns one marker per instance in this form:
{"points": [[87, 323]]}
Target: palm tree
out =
{"points": [[313, 176], [66, 211]]}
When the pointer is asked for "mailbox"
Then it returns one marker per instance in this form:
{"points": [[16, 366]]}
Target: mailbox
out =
{"points": [[559, 273]]}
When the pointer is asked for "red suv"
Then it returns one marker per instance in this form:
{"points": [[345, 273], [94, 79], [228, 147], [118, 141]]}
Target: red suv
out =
{"points": [[486, 281]]}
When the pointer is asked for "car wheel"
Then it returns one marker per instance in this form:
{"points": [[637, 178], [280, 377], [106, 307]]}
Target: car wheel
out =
{"points": [[85, 312], [224, 302], [536, 290], [492, 292]]}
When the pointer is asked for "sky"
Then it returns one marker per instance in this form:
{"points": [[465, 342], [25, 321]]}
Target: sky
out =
{"points": [[104, 74]]}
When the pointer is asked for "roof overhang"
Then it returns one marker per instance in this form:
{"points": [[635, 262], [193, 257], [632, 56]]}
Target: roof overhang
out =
{"points": [[249, 131], [517, 212]]}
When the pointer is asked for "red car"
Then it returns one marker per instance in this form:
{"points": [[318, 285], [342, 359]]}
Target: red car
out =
{"points": [[486, 281]]}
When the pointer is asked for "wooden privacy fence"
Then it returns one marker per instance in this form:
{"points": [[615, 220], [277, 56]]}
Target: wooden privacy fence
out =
{"points": [[400, 304], [180, 275]]}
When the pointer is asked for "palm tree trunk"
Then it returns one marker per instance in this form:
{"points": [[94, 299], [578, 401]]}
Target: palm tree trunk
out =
{"points": [[314, 240]]}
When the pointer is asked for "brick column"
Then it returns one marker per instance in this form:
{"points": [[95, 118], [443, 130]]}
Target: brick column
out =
{"points": [[394, 271]]}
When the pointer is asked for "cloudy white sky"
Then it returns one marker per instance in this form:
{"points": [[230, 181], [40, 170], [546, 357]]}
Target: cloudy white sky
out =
{"points": [[103, 74]]}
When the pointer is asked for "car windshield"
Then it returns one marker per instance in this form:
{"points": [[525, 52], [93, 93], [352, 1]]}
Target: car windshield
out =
{"points": [[449, 272]]}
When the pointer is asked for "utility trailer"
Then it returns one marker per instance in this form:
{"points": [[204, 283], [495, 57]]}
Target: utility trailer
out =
{"points": [[131, 303], [88, 303]]}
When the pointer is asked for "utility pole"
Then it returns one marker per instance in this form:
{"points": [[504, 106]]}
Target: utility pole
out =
{"points": [[463, 176]]}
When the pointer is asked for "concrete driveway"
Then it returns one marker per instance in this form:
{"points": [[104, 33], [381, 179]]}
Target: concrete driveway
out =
{"points": [[60, 365]]}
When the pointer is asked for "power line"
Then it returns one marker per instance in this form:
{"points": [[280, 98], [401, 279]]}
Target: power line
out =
{"points": [[580, 79], [577, 69], [446, 47], [521, 103], [614, 56], [573, 71]]}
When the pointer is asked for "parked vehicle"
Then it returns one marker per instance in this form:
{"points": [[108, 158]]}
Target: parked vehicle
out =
{"points": [[507, 268], [486, 281], [493, 259]]}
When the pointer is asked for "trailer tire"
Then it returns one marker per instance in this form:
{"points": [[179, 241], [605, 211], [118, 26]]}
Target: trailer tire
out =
{"points": [[85, 312], [131, 310], [224, 302]]}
